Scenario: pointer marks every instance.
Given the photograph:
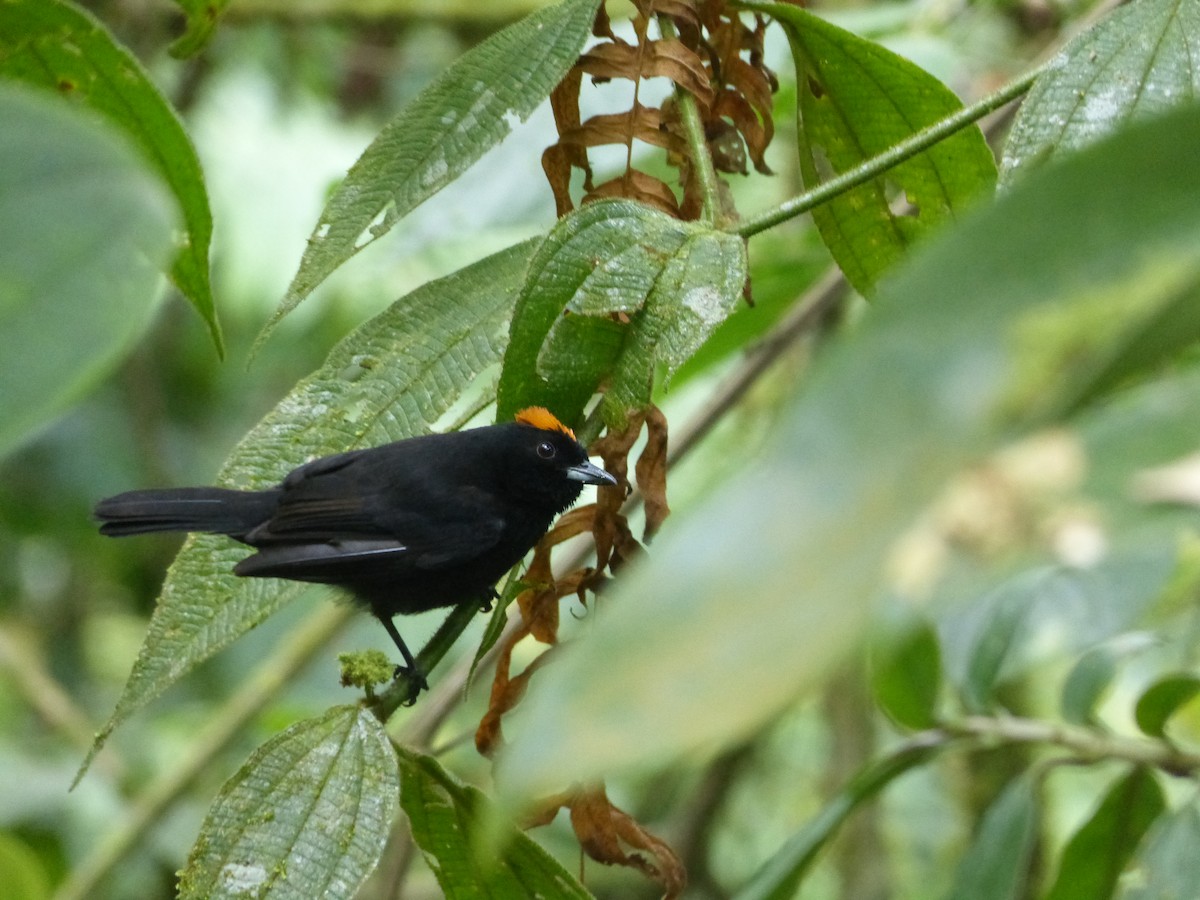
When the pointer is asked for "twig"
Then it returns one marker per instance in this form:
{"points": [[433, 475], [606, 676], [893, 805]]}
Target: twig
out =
{"points": [[1089, 744], [888, 159], [48, 699]]}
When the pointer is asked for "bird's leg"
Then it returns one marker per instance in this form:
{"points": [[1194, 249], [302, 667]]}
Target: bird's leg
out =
{"points": [[411, 669]]}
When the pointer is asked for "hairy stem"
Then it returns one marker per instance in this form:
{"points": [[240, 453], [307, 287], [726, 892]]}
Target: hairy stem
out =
{"points": [[693, 130]]}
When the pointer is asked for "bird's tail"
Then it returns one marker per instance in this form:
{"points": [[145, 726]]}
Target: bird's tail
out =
{"points": [[208, 509]]}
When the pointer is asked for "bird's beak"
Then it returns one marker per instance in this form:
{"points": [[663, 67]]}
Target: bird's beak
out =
{"points": [[590, 473]]}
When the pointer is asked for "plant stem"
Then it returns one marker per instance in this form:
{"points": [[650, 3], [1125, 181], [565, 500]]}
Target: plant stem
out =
{"points": [[398, 692], [1089, 744], [693, 129], [893, 156]]}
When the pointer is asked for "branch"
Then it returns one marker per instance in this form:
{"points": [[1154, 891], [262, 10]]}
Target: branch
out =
{"points": [[1089, 744]]}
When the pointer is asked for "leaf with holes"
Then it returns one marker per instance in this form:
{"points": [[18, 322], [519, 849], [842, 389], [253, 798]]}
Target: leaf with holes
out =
{"points": [[858, 99], [306, 816]]}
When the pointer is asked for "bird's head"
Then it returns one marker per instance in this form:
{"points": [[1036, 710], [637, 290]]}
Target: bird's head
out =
{"points": [[546, 461]]}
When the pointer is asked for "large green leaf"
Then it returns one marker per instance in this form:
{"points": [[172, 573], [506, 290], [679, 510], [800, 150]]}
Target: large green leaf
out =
{"points": [[1139, 62], [392, 378], [306, 816], [674, 282], [906, 675], [1097, 853], [751, 596], [995, 866], [83, 225], [1159, 702], [1090, 677], [452, 822], [56, 45], [856, 100], [1167, 866], [202, 18], [466, 110], [781, 876]]}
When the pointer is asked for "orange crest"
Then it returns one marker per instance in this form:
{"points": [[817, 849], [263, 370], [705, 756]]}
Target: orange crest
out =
{"points": [[540, 417]]}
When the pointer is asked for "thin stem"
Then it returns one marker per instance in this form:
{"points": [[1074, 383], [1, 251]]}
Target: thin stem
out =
{"points": [[275, 674], [890, 158], [1090, 744], [398, 692], [46, 697], [693, 131]]}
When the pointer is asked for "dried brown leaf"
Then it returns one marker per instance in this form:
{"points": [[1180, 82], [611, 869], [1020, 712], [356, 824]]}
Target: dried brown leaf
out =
{"points": [[757, 135], [602, 829], [638, 186], [654, 59], [651, 472], [559, 159], [643, 123]]}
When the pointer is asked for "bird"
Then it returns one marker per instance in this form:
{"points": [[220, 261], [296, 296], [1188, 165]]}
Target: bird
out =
{"points": [[417, 524]]}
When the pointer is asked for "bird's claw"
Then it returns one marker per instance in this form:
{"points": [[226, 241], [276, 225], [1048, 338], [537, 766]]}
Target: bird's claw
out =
{"points": [[416, 682]]}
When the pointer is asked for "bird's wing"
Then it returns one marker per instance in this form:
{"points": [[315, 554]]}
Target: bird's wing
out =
{"points": [[445, 546], [344, 511]]}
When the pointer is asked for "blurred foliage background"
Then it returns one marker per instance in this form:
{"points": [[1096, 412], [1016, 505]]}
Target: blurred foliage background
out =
{"points": [[279, 105]]}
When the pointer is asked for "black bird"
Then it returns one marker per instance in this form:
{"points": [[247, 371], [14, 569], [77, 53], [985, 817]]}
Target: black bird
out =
{"points": [[409, 526]]}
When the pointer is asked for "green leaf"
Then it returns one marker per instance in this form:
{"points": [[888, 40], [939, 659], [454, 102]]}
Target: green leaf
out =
{"points": [[675, 282], [1162, 700], [25, 875], [906, 675], [202, 18], [1107, 335], [447, 127], [1002, 625], [1092, 674], [83, 223], [856, 100], [1167, 866], [306, 816], [782, 563], [1137, 63], [391, 378], [56, 45], [451, 821], [996, 866], [781, 876], [1097, 853]]}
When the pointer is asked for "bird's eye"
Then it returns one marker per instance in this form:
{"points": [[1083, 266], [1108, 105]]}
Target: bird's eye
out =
{"points": [[546, 450]]}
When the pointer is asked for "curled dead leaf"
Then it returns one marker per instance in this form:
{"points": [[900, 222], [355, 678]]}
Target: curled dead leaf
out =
{"points": [[651, 472], [604, 830]]}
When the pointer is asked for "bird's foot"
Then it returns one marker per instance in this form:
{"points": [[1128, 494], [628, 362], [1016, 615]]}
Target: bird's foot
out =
{"points": [[485, 605], [416, 682]]}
